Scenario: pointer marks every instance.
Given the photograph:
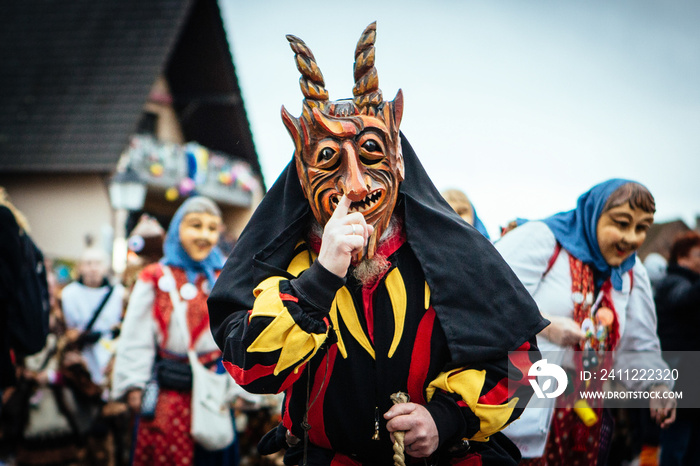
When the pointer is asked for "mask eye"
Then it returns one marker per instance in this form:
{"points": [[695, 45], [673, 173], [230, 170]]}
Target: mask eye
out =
{"points": [[371, 151], [326, 154], [370, 146]]}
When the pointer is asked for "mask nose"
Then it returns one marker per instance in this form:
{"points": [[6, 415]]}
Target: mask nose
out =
{"points": [[352, 182]]}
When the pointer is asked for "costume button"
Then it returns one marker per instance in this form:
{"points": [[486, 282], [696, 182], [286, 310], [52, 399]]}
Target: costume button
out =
{"points": [[577, 297], [166, 284], [188, 291]]}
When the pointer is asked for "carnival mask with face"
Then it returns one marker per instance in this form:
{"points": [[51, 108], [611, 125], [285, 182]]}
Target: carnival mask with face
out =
{"points": [[348, 146]]}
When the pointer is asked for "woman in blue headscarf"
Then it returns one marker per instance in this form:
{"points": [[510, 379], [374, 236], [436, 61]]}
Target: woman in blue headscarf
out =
{"points": [[150, 334], [581, 268]]}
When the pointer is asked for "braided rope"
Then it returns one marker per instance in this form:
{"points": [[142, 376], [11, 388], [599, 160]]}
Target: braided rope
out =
{"points": [[366, 89], [399, 457]]}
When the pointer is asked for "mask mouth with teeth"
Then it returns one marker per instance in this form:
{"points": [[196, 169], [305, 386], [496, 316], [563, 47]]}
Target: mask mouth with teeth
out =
{"points": [[367, 206], [349, 147]]}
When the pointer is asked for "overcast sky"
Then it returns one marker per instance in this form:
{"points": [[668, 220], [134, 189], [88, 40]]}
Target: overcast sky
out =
{"points": [[524, 105]]}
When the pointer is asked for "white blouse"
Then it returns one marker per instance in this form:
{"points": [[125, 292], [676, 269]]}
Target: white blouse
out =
{"points": [[141, 336], [528, 250], [79, 305]]}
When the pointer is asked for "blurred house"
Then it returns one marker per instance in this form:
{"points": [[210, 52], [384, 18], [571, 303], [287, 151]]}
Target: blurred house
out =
{"points": [[92, 88], [661, 236]]}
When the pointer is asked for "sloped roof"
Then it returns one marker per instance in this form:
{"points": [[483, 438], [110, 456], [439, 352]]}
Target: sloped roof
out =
{"points": [[75, 75], [660, 237]]}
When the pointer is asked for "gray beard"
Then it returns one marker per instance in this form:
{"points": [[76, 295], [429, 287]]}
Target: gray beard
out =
{"points": [[368, 270]]}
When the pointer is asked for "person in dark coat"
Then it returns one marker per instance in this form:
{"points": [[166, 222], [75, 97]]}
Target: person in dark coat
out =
{"points": [[24, 311], [678, 309], [24, 316], [354, 280]]}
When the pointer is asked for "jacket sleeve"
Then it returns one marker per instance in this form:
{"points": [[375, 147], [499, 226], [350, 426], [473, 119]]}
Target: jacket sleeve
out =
{"points": [[477, 401], [136, 350], [267, 347]]}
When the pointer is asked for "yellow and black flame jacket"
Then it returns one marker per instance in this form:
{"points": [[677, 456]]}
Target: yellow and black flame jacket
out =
{"points": [[452, 327]]}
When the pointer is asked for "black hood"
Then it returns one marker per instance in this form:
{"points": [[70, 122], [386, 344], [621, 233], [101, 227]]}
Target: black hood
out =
{"points": [[483, 308]]}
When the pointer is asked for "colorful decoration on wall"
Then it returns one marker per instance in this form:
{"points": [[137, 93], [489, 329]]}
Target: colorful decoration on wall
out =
{"points": [[156, 169], [184, 170], [187, 186], [197, 162], [171, 194]]}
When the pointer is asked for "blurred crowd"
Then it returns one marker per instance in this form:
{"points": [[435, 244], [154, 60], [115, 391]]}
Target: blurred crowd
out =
{"points": [[68, 396], [77, 360]]}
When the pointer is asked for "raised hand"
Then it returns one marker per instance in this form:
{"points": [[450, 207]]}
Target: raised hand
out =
{"points": [[563, 331], [344, 236]]}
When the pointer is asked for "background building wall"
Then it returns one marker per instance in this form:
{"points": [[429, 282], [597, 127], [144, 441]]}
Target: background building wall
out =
{"points": [[63, 210]]}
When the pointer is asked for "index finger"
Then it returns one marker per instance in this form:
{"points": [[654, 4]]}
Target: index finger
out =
{"points": [[399, 410], [342, 208]]}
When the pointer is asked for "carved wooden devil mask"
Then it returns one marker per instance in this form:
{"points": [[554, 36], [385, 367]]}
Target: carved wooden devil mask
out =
{"points": [[348, 146]]}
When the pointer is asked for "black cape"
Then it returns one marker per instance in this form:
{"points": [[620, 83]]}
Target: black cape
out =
{"points": [[482, 307]]}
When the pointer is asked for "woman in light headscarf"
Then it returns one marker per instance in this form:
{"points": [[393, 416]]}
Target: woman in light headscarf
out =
{"points": [[150, 335], [581, 268]]}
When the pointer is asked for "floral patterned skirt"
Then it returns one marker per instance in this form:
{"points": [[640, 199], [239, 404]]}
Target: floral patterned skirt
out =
{"points": [[166, 439]]}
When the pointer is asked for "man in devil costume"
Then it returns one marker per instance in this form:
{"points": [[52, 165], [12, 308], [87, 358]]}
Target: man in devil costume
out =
{"points": [[354, 280]]}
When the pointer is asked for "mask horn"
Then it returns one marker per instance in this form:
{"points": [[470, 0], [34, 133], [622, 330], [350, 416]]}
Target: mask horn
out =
{"points": [[311, 81], [367, 94]]}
